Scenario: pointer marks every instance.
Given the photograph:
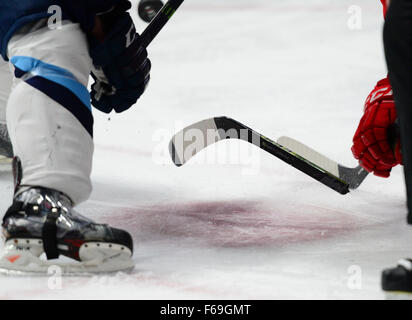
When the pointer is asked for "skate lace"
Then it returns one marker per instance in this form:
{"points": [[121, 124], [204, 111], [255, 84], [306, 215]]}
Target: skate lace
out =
{"points": [[53, 199], [5, 143], [4, 135]]}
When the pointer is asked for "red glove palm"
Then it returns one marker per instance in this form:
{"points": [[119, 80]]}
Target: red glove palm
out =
{"points": [[370, 143]]}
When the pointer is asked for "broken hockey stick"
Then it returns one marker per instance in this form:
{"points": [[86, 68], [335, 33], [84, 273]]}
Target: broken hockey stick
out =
{"points": [[159, 21], [209, 131]]}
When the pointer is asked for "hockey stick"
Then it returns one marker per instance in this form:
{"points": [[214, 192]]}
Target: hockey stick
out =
{"points": [[353, 176], [209, 131], [159, 21]]}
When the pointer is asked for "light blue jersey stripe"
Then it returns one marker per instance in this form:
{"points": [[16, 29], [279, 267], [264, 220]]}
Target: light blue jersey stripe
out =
{"points": [[55, 74]]}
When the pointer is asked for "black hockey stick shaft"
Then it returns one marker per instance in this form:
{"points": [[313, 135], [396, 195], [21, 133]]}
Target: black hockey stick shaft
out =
{"points": [[278, 151], [189, 141], [159, 21]]}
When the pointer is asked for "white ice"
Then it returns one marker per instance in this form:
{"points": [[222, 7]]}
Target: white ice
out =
{"points": [[248, 227]]}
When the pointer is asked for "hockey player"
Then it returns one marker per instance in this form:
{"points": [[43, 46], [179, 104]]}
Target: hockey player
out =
{"points": [[375, 151], [50, 125], [398, 49], [377, 140]]}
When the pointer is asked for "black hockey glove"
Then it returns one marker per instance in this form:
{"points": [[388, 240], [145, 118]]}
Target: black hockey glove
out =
{"points": [[121, 67]]}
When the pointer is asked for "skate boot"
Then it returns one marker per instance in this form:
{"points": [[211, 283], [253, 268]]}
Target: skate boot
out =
{"points": [[397, 282], [41, 222], [6, 149]]}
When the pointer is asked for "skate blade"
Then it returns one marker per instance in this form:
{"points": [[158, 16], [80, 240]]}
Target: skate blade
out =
{"points": [[398, 295], [97, 259]]}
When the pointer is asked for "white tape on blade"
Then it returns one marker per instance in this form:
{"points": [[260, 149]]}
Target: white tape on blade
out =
{"points": [[192, 139], [308, 153]]}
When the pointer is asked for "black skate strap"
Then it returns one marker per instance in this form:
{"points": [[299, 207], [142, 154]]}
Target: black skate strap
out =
{"points": [[49, 234]]}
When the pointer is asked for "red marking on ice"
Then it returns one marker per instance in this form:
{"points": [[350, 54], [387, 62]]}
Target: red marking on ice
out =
{"points": [[234, 224]]}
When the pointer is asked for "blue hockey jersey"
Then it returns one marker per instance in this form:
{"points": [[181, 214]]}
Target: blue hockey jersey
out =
{"points": [[16, 13]]}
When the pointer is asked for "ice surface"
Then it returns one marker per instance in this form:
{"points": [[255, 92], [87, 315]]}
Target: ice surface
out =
{"points": [[220, 227]]}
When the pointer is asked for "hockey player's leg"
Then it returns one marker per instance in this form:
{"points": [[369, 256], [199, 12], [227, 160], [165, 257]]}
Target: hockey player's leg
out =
{"points": [[50, 125], [398, 48], [59, 154]]}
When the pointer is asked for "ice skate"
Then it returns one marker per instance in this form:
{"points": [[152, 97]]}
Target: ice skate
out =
{"points": [[42, 224], [397, 281]]}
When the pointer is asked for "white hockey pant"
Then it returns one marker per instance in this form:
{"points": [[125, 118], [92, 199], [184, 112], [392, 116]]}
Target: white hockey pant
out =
{"points": [[48, 108]]}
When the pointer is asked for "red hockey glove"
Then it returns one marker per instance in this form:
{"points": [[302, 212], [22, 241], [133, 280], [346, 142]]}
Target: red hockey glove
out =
{"points": [[385, 4], [371, 145]]}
